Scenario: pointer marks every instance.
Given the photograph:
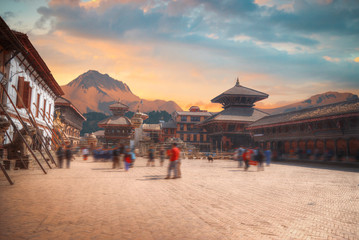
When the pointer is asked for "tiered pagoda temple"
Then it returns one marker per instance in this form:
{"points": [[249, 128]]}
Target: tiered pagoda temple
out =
{"points": [[227, 129], [118, 128]]}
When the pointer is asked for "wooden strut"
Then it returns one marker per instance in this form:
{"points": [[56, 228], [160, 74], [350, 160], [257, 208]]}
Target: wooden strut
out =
{"points": [[50, 129], [23, 123], [6, 175], [8, 136], [39, 135], [22, 137]]}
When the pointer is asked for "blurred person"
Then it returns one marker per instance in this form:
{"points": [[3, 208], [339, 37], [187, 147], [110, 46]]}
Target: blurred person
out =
{"points": [[268, 156], [151, 157], [239, 156], [85, 153], [178, 164], [128, 158], [259, 159], [60, 156], [116, 157], [68, 155], [247, 157], [174, 155], [121, 151], [162, 156]]}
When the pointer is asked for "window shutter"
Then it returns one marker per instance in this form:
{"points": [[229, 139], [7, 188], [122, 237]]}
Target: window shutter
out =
{"points": [[27, 94], [50, 111], [38, 105], [44, 110], [20, 89]]}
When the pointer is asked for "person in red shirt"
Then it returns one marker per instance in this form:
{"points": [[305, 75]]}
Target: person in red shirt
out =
{"points": [[247, 157], [174, 155], [128, 158]]}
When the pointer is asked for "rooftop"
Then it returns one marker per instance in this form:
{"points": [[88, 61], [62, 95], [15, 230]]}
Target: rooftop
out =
{"points": [[238, 114], [115, 121], [61, 101], [331, 110], [240, 91]]}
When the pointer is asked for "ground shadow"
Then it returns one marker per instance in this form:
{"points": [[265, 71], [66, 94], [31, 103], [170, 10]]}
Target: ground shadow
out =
{"points": [[101, 168], [320, 165], [152, 177]]}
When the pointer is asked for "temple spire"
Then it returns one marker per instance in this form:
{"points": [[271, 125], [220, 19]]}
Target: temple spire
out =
{"points": [[237, 83]]}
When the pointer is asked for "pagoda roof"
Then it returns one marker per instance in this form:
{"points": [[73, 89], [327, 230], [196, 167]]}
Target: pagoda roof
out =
{"points": [[115, 121], [332, 111], [118, 104], [236, 114], [240, 91]]}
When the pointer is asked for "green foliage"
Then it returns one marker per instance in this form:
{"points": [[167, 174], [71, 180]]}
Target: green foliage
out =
{"points": [[90, 125], [156, 116]]}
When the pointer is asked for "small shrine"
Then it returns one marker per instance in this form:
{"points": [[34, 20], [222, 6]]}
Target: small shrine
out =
{"points": [[118, 127], [138, 118]]}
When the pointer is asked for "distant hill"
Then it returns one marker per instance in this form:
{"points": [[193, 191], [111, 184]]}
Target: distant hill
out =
{"points": [[94, 92], [314, 101]]}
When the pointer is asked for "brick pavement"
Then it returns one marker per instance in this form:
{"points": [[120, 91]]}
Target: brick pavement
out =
{"points": [[211, 201]]}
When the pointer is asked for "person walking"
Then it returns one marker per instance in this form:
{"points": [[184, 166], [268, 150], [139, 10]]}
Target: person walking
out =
{"points": [[60, 156], [115, 158], [247, 157], [174, 155], [85, 153], [178, 164], [239, 156], [128, 158], [121, 154], [151, 157], [68, 155], [268, 155], [162, 156], [259, 159]]}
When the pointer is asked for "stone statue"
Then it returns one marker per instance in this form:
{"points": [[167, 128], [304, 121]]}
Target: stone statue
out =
{"points": [[18, 144]]}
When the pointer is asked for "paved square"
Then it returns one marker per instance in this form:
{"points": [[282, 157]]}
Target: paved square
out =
{"points": [[211, 201]]}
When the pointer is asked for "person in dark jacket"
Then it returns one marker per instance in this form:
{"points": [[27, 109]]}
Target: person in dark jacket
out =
{"points": [[68, 155], [60, 156], [116, 157]]}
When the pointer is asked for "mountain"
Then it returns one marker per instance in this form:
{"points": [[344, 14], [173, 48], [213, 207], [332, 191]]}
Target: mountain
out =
{"points": [[94, 92], [314, 101]]}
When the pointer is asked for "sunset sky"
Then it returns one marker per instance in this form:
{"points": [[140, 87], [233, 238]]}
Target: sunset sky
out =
{"points": [[189, 51]]}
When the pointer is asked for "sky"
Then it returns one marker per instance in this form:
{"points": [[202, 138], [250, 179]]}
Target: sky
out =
{"points": [[190, 51]]}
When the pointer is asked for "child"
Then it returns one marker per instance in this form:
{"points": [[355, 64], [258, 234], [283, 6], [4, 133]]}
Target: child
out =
{"points": [[128, 158]]}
